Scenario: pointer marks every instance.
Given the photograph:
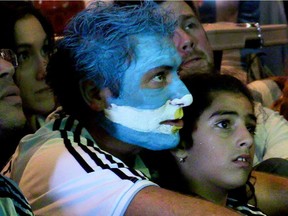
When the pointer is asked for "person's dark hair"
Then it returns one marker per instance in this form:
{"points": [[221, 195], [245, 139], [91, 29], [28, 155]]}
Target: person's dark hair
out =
{"points": [[11, 12], [98, 45]]}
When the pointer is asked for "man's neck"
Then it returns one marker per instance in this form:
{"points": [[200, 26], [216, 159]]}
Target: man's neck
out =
{"points": [[123, 151]]}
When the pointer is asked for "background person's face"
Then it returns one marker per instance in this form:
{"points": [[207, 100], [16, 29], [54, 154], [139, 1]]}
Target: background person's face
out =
{"points": [[191, 40], [222, 152], [32, 51], [11, 114], [149, 106]]}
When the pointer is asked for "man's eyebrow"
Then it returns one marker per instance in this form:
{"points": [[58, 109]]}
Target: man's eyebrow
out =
{"points": [[165, 67], [187, 16]]}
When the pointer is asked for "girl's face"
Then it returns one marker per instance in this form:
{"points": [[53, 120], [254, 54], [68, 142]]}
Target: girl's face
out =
{"points": [[222, 153]]}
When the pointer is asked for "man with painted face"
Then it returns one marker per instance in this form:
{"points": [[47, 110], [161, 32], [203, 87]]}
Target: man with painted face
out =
{"points": [[115, 74], [271, 137]]}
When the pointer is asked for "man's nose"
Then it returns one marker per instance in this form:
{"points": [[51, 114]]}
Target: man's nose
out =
{"points": [[6, 69], [183, 41], [180, 94]]}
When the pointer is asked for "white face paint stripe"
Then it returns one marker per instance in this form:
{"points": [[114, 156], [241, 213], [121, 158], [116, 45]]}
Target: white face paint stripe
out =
{"points": [[149, 120], [184, 101]]}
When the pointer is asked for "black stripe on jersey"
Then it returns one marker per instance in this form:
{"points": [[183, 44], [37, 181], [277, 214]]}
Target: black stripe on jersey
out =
{"points": [[77, 132], [117, 171], [109, 157], [69, 123], [75, 154], [56, 124], [93, 155]]}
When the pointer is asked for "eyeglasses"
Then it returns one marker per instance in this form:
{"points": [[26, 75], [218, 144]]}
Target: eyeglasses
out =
{"points": [[10, 56]]}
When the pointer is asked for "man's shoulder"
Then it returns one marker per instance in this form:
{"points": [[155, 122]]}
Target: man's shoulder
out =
{"points": [[265, 114]]}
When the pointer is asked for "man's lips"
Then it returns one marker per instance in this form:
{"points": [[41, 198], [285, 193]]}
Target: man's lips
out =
{"points": [[11, 91], [12, 95], [191, 62], [176, 122]]}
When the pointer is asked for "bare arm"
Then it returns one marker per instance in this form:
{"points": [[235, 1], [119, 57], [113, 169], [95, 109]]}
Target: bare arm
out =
{"points": [[271, 193], [158, 201]]}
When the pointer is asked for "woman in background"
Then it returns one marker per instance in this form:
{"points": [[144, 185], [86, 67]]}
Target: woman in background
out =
{"points": [[28, 33]]}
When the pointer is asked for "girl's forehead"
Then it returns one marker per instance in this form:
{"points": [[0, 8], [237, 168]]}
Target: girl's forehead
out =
{"points": [[231, 100]]}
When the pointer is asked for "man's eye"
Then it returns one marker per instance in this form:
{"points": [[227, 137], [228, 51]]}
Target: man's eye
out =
{"points": [[191, 25], [251, 129], [160, 77], [223, 124]]}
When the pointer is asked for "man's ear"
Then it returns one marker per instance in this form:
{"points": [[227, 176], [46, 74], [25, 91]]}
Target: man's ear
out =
{"points": [[95, 98]]}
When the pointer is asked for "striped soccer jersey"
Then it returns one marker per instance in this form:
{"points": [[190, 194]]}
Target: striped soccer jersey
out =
{"points": [[62, 171]]}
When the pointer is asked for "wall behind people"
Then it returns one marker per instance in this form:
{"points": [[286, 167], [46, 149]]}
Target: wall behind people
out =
{"points": [[261, 62], [276, 57], [59, 12]]}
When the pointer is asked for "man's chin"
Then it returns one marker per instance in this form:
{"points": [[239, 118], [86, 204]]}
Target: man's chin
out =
{"points": [[184, 73]]}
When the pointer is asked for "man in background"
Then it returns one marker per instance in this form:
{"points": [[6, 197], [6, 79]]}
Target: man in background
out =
{"points": [[12, 124]]}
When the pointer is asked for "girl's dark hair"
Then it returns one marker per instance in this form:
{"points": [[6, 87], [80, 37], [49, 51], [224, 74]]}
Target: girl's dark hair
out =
{"points": [[11, 12]]}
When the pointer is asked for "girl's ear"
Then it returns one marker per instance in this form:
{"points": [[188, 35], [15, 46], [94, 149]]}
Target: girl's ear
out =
{"points": [[180, 154], [95, 98]]}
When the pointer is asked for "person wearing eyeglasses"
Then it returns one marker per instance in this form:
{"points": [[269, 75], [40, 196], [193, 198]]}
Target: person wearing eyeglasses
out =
{"points": [[12, 118], [30, 35], [12, 127]]}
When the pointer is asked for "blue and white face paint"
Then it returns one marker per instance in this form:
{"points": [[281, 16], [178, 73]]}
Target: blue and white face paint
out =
{"points": [[148, 110]]}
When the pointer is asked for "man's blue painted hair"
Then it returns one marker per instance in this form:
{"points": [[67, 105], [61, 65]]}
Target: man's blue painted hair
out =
{"points": [[98, 45]]}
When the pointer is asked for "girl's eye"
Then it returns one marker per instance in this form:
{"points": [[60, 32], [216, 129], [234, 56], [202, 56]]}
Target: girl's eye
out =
{"points": [[223, 124]]}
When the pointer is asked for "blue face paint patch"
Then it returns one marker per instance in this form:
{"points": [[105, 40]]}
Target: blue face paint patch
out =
{"points": [[150, 84]]}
